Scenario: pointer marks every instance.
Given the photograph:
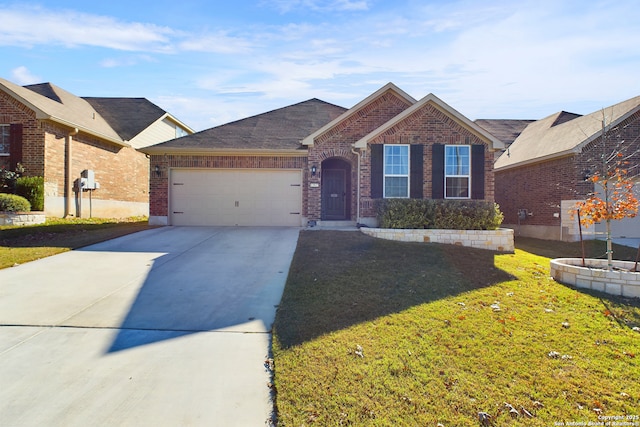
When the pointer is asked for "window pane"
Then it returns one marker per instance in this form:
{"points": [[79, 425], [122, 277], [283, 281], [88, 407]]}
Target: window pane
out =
{"points": [[457, 160], [396, 160], [457, 187], [4, 138], [396, 187]]}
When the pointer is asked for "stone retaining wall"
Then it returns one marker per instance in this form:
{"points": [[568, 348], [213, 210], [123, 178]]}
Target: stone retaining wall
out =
{"points": [[496, 240], [22, 218], [616, 282]]}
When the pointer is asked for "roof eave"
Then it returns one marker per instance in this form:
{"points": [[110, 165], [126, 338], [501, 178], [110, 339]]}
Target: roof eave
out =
{"points": [[158, 150], [83, 129], [536, 160]]}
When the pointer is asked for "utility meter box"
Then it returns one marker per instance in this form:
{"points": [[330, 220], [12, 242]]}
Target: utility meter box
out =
{"points": [[89, 179]]}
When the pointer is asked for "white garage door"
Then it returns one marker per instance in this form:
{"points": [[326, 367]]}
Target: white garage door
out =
{"points": [[236, 197]]}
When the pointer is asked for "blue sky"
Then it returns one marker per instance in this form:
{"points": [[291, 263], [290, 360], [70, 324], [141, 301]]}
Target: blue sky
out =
{"points": [[211, 62]]}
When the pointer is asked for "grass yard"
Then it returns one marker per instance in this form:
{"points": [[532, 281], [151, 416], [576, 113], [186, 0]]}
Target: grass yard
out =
{"points": [[380, 333], [23, 244]]}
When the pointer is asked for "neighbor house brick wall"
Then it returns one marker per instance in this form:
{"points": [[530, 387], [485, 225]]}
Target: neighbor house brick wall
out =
{"points": [[337, 142], [540, 187], [13, 112], [159, 183], [426, 126], [123, 172]]}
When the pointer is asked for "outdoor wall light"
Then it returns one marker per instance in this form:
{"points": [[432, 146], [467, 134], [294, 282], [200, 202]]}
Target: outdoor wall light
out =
{"points": [[314, 169], [157, 170]]}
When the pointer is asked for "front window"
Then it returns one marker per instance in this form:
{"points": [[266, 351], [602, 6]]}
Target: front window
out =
{"points": [[4, 139], [396, 171], [457, 161]]}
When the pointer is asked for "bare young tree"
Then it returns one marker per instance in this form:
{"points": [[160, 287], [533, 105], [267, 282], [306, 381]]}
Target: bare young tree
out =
{"points": [[616, 168]]}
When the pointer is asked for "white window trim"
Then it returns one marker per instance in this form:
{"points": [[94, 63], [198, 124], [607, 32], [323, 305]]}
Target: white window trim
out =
{"points": [[457, 176], [385, 175]]}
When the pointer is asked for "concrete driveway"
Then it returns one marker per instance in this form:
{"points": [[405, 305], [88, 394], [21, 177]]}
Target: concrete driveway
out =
{"points": [[166, 327]]}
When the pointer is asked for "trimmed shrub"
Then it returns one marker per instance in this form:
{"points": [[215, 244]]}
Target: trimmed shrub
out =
{"points": [[13, 203], [32, 189], [439, 214]]}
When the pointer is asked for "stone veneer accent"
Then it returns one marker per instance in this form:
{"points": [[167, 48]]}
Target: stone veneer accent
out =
{"points": [[22, 218], [496, 240], [596, 276]]}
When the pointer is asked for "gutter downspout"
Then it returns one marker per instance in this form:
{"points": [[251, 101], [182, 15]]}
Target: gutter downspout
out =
{"points": [[357, 153], [68, 188]]}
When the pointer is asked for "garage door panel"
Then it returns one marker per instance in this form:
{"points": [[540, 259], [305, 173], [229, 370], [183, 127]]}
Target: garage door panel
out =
{"points": [[236, 197]]}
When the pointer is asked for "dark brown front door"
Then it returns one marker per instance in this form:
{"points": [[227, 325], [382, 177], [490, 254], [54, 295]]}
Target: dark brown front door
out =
{"points": [[334, 194]]}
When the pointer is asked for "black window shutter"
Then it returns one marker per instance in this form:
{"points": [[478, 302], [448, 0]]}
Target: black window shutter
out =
{"points": [[377, 164], [15, 145], [417, 151], [437, 174], [477, 172]]}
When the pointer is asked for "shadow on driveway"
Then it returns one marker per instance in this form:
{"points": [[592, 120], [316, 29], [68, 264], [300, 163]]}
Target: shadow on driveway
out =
{"points": [[207, 279]]}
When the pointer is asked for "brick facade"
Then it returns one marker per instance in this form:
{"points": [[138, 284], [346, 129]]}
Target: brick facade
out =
{"points": [[337, 143], [426, 126], [13, 112], [123, 172]]}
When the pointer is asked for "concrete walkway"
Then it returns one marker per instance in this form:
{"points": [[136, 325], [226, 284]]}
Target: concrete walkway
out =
{"points": [[167, 327]]}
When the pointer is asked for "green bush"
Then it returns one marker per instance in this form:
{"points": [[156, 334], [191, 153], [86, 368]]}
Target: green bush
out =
{"points": [[439, 214], [13, 203], [32, 189]]}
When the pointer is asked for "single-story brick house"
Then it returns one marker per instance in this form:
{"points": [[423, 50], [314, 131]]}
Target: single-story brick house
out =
{"points": [[542, 174], [314, 162], [58, 135]]}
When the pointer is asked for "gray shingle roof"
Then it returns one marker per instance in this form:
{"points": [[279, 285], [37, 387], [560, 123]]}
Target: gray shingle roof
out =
{"points": [[46, 90], [506, 130], [555, 136], [51, 102], [281, 129], [127, 116]]}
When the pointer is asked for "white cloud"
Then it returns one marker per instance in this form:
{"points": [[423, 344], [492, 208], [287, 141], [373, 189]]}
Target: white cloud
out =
{"points": [[23, 76], [26, 26], [219, 42], [285, 6], [125, 61]]}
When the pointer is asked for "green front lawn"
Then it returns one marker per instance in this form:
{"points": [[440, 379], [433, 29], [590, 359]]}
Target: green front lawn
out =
{"points": [[23, 244], [379, 333]]}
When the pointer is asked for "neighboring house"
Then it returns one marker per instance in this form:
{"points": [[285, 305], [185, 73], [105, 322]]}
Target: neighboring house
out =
{"points": [[542, 174], [506, 130], [314, 162], [58, 135]]}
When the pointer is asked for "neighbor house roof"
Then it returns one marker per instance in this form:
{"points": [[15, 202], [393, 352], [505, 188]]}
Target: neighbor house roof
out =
{"points": [[506, 130], [49, 102], [280, 129], [563, 134], [439, 104], [130, 116]]}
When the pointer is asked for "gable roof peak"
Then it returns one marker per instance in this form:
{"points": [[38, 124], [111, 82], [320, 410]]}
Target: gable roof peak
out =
{"points": [[389, 87], [439, 104]]}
